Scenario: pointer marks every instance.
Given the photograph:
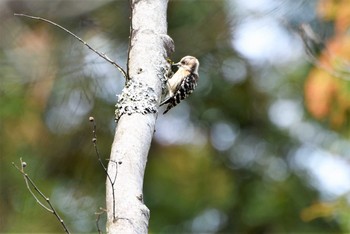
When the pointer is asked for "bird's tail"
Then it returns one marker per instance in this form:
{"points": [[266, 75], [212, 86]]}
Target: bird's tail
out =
{"points": [[168, 108], [166, 101]]}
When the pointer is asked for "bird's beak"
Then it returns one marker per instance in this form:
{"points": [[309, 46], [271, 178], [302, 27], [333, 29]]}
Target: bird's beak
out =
{"points": [[175, 65]]}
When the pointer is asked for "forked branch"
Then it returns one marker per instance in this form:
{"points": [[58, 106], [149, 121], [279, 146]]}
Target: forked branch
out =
{"points": [[30, 183], [94, 141]]}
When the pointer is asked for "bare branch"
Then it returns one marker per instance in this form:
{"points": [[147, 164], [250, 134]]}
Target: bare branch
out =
{"points": [[102, 55], [94, 141], [29, 182]]}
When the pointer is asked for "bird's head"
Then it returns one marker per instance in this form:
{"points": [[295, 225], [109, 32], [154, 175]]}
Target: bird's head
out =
{"points": [[189, 63]]}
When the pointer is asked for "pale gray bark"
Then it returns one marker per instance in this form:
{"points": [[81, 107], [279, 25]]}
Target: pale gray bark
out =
{"points": [[136, 116]]}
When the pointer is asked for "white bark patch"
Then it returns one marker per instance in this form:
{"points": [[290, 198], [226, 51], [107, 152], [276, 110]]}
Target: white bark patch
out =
{"points": [[136, 97]]}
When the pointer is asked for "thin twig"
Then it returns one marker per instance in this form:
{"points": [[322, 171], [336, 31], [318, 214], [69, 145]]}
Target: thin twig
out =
{"points": [[98, 219], [94, 141], [115, 176], [311, 41], [341, 74], [102, 55], [29, 182]]}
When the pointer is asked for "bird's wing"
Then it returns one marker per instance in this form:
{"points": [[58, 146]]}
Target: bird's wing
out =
{"points": [[174, 84]]}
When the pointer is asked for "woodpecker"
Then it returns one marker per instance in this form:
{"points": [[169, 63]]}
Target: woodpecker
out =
{"points": [[182, 83]]}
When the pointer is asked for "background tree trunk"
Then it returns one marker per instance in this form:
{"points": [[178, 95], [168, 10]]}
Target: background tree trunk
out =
{"points": [[136, 114]]}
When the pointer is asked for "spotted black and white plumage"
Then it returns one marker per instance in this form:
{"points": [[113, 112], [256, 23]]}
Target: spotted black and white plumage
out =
{"points": [[183, 82]]}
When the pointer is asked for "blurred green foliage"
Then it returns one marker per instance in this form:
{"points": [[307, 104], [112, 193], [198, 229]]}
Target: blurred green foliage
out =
{"points": [[220, 163]]}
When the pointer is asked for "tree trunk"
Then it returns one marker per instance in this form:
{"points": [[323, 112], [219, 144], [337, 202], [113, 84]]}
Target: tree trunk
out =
{"points": [[136, 115]]}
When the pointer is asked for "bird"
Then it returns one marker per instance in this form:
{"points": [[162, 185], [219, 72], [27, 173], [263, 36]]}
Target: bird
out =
{"points": [[182, 83]]}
